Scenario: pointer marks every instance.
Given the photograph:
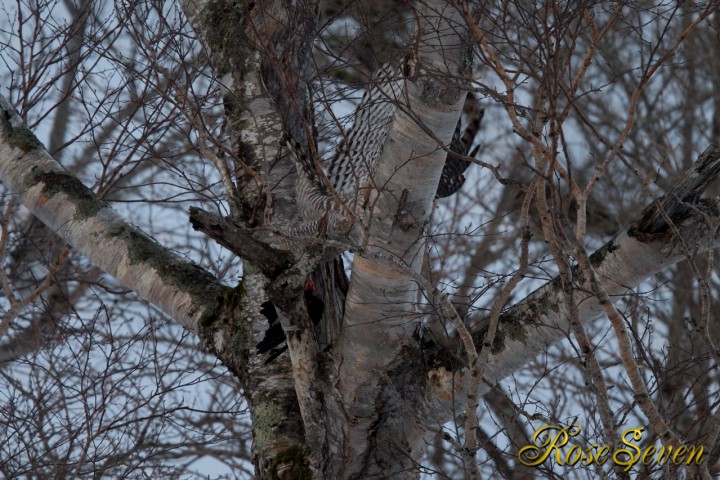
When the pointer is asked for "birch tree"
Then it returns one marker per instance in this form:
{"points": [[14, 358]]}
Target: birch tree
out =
{"points": [[291, 330]]}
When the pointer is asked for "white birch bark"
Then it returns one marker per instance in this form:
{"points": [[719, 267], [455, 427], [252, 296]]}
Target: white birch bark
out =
{"points": [[633, 256], [529, 327], [377, 435], [369, 403], [178, 287], [234, 33]]}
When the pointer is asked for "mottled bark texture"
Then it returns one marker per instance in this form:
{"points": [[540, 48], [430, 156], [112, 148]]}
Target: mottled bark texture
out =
{"points": [[648, 246], [260, 55], [177, 286], [361, 394], [383, 436], [259, 51]]}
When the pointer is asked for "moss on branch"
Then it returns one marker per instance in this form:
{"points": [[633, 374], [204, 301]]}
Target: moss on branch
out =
{"points": [[20, 136], [183, 274], [86, 203]]}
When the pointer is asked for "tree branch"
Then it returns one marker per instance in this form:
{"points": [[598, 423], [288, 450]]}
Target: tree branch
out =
{"points": [[174, 284], [380, 312], [259, 51], [180, 288], [241, 241], [636, 254]]}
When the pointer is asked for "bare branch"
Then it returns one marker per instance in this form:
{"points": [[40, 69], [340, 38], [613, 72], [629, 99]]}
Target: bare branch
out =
{"points": [[177, 286]]}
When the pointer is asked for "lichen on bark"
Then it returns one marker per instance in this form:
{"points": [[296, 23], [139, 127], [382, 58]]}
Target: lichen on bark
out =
{"points": [[266, 418], [183, 274], [224, 22], [294, 466], [86, 203], [226, 317], [19, 136]]}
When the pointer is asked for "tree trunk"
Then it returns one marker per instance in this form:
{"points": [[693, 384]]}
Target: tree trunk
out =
{"points": [[361, 395]]}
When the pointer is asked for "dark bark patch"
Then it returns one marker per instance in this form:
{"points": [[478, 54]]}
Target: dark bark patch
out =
{"points": [[225, 26], [515, 331], [681, 201], [227, 317], [597, 258], [86, 203], [20, 137], [498, 344], [227, 302], [184, 274], [290, 464], [515, 327], [531, 311]]}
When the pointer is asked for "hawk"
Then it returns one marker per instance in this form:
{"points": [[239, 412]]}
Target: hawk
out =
{"points": [[355, 158]]}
